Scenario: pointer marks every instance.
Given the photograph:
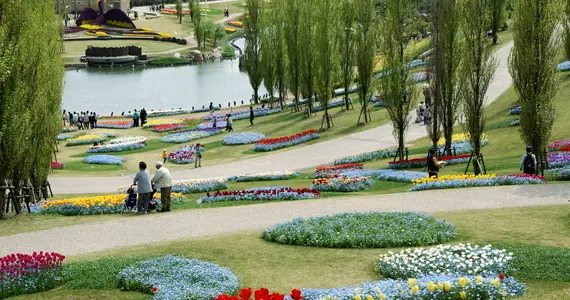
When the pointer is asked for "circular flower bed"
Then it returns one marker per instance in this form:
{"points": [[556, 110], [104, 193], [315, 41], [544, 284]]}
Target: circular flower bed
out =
{"points": [[174, 277], [242, 138], [565, 66], [103, 160], [63, 137], [461, 259], [120, 144], [69, 129], [57, 165], [280, 175], [182, 155], [26, 274], [261, 194], [86, 140], [342, 184], [461, 181], [363, 230], [183, 137]]}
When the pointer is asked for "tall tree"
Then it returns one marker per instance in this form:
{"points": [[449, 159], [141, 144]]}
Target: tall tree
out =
{"points": [[191, 7], [307, 36], [31, 73], [196, 20], [347, 45], [398, 87], [179, 11], [294, 47], [497, 17], [268, 40], [446, 59], [533, 66], [280, 50], [252, 53], [327, 61], [477, 68], [566, 26], [365, 44]]}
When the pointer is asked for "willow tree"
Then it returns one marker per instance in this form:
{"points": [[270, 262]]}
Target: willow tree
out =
{"points": [[291, 15], [497, 8], [311, 13], [347, 45], [446, 58], [477, 68], [179, 11], [191, 7], [533, 66], [366, 35], [196, 20], [398, 86], [252, 53], [268, 39], [327, 55], [279, 50], [31, 73], [566, 26]]}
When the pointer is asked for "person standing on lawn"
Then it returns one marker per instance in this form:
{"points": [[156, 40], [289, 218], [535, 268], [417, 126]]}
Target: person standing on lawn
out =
{"points": [[164, 156], [528, 162], [251, 115], [144, 188], [162, 181], [198, 156], [136, 118], [432, 164]]}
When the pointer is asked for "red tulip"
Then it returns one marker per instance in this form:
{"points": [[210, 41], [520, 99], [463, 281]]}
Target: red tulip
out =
{"points": [[501, 276], [245, 294], [296, 294]]}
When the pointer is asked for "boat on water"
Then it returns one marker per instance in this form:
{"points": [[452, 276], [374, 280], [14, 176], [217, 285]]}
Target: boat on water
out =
{"points": [[107, 61]]}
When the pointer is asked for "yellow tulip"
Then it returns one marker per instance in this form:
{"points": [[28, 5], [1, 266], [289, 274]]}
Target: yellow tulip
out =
{"points": [[463, 295], [381, 296], [357, 297], [440, 285], [415, 289], [431, 287], [496, 282], [411, 281], [447, 287], [369, 297], [478, 279], [462, 282], [328, 298]]}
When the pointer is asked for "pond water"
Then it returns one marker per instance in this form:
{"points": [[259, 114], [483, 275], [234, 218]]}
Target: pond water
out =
{"points": [[106, 90]]}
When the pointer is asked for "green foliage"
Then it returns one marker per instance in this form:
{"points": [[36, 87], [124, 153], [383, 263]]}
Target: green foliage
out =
{"points": [[179, 11], [293, 29], [268, 46], [533, 67], [196, 20], [228, 51], [207, 30], [477, 68], [540, 263], [309, 10], [347, 37], [497, 13], [252, 53], [366, 33], [397, 87], [566, 26], [168, 61]]}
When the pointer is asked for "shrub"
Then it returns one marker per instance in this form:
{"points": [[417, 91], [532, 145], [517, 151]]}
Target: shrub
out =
{"points": [[168, 61], [363, 230], [174, 277]]}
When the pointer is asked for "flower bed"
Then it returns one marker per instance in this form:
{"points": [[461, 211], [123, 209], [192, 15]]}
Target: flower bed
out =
{"points": [[168, 127], [460, 181], [462, 147], [421, 162], [271, 144], [194, 185], [342, 184], [115, 124], [86, 140], [380, 104], [261, 294], [263, 176], [57, 165], [101, 159], [242, 138], [562, 173], [515, 122], [429, 287], [175, 277], [386, 175], [69, 129], [261, 194], [235, 23], [167, 112], [182, 155], [120, 144], [161, 122], [340, 91], [516, 110], [374, 155], [98, 205], [332, 104], [63, 137], [26, 274], [363, 230], [460, 138], [559, 145], [331, 170], [565, 66], [558, 159], [221, 122], [420, 76], [203, 109], [454, 260], [244, 114], [183, 137]]}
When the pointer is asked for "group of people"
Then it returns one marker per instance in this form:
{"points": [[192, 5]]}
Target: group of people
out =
{"points": [[83, 120], [139, 119], [156, 7], [422, 111], [147, 186]]}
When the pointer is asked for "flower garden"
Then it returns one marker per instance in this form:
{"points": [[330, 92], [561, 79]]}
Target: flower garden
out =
{"points": [[184, 137], [460, 181], [120, 144], [342, 184], [261, 194], [101, 159], [242, 138], [182, 155], [86, 140], [271, 144]]}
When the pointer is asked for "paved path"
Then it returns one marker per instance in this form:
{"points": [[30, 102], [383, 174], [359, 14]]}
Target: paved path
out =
{"points": [[86, 238], [301, 157]]}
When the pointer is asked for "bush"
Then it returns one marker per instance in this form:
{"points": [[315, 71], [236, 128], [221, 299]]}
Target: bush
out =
{"points": [[228, 51], [456, 260], [168, 61], [363, 230], [174, 277]]}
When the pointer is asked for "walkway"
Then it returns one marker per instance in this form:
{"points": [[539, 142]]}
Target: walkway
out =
{"points": [[301, 157], [87, 238]]}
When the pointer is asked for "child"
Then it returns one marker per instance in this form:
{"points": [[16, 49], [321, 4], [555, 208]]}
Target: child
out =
{"points": [[164, 155]]}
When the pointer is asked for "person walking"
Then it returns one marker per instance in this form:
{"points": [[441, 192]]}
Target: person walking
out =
{"points": [[65, 118], [251, 115], [143, 116], [136, 118], [198, 156], [162, 181], [230, 123], [164, 156], [211, 108], [432, 164], [144, 188], [528, 162], [80, 121]]}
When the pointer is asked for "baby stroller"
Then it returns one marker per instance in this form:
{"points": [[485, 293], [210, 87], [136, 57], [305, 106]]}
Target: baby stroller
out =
{"points": [[131, 201]]}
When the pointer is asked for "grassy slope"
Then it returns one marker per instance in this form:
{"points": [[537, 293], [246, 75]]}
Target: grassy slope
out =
{"points": [[280, 267]]}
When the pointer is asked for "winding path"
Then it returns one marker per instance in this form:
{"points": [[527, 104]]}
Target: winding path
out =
{"points": [[301, 157], [94, 237]]}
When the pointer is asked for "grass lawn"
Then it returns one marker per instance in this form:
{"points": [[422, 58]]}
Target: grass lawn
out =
{"points": [[281, 124], [543, 250]]}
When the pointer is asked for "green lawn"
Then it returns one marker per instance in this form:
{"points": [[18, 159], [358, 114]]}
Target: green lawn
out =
{"points": [[542, 247]]}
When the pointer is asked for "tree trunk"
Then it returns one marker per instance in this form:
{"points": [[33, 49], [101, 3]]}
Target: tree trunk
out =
{"points": [[256, 95], [2, 195], [401, 142]]}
